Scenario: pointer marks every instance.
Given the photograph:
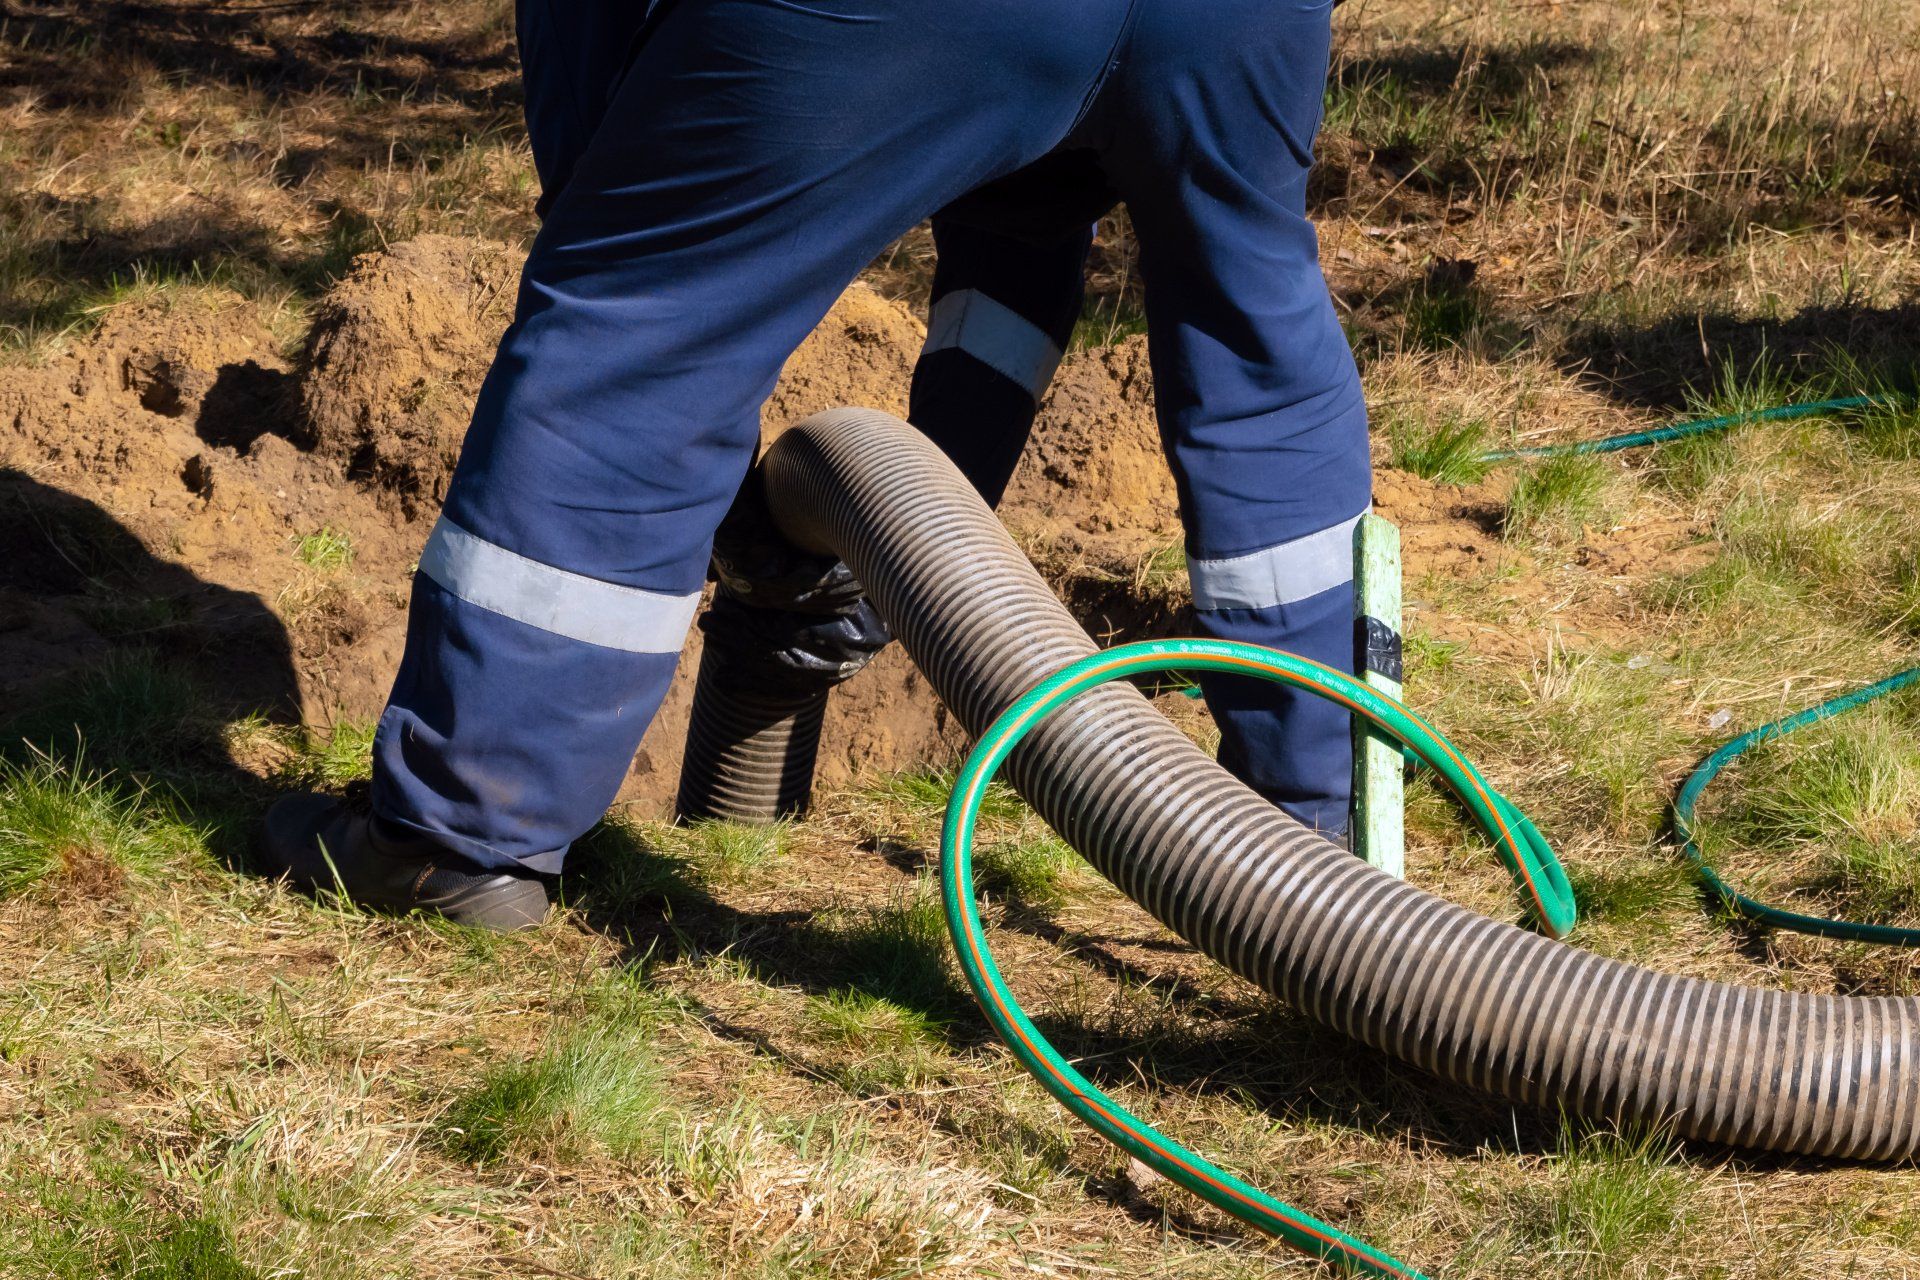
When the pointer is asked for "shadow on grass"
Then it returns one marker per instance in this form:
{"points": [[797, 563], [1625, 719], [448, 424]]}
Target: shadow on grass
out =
{"points": [[1425, 120], [373, 89], [1659, 365], [75, 55], [659, 906], [114, 659]]}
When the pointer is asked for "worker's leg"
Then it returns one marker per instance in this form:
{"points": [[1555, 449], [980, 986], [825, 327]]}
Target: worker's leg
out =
{"points": [[757, 154], [573, 54], [1210, 138], [1007, 291]]}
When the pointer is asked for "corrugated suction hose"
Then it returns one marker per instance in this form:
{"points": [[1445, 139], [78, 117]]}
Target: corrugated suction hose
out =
{"points": [[750, 752], [1464, 996]]}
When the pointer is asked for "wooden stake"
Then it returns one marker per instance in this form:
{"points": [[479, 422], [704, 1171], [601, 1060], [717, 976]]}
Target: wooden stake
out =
{"points": [[1379, 774]]}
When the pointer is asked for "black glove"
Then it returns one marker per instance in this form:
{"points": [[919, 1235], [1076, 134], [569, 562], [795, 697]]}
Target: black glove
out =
{"points": [[784, 620]]}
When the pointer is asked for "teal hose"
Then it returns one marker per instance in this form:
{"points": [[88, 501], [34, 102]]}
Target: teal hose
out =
{"points": [[1696, 427], [1683, 808], [1752, 908], [1531, 863]]}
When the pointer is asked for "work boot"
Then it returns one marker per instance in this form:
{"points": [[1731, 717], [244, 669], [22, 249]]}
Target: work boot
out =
{"points": [[320, 844]]}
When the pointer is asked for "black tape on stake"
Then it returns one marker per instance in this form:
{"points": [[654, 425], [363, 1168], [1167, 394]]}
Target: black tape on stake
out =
{"points": [[1379, 649]]}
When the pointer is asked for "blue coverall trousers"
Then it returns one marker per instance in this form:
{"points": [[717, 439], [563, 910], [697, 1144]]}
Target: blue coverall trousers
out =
{"points": [[714, 181]]}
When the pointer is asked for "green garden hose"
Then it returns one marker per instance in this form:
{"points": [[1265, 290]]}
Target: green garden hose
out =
{"points": [[1683, 806], [1475, 1000], [1531, 863], [1752, 908], [1696, 427]]}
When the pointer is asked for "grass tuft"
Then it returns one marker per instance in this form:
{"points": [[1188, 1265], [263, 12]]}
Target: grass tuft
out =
{"points": [[1607, 1204], [1443, 313], [899, 951], [1038, 870], [327, 550], [921, 797], [1557, 497], [1891, 431], [1838, 805], [596, 1092], [330, 761], [1161, 568], [878, 1045], [1107, 321], [92, 1235], [134, 711], [725, 852], [59, 821], [1630, 893], [1447, 451]]}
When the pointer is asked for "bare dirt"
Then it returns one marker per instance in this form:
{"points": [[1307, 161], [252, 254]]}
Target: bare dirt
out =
{"points": [[156, 479]]}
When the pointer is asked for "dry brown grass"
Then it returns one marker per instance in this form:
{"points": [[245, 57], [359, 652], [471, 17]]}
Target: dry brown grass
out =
{"points": [[1540, 220]]}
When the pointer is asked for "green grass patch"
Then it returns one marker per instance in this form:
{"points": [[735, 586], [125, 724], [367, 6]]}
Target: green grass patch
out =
{"points": [[1162, 568], [626, 865], [1810, 544], [899, 951], [1429, 656], [1730, 585], [58, 820], [1443, 313], [86, 1234], [1838, 807], [1383, 111], [597, 1092], [1028, 1156], [119, 615], [327, 550], [330, 760], [878, 1045], [1699, 466], [133, 711], [1891, 431], [1447, 451], [1901, 604], [1577, 743], [919, 797], [1605, 1205], [1038, 869], [1106, 321], [623, 867], [1760, 383], [1628, 893], [1558, 497], [1858, 778], [728, 852]]}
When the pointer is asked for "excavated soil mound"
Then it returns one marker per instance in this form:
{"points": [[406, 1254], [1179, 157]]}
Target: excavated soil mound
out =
{"points": [[395, 355], [1094, 478], [862, 354], [162, 480], [145, 500]]}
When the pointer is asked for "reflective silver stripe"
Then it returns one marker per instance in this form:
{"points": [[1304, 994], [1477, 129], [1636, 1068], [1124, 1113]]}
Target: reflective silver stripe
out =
{"points": [[996, 335], [1283, 574], [566, 604]]}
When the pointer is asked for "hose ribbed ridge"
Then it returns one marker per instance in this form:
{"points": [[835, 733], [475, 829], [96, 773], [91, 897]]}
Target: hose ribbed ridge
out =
{"points": [[1469, 998], [749, 755]]}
